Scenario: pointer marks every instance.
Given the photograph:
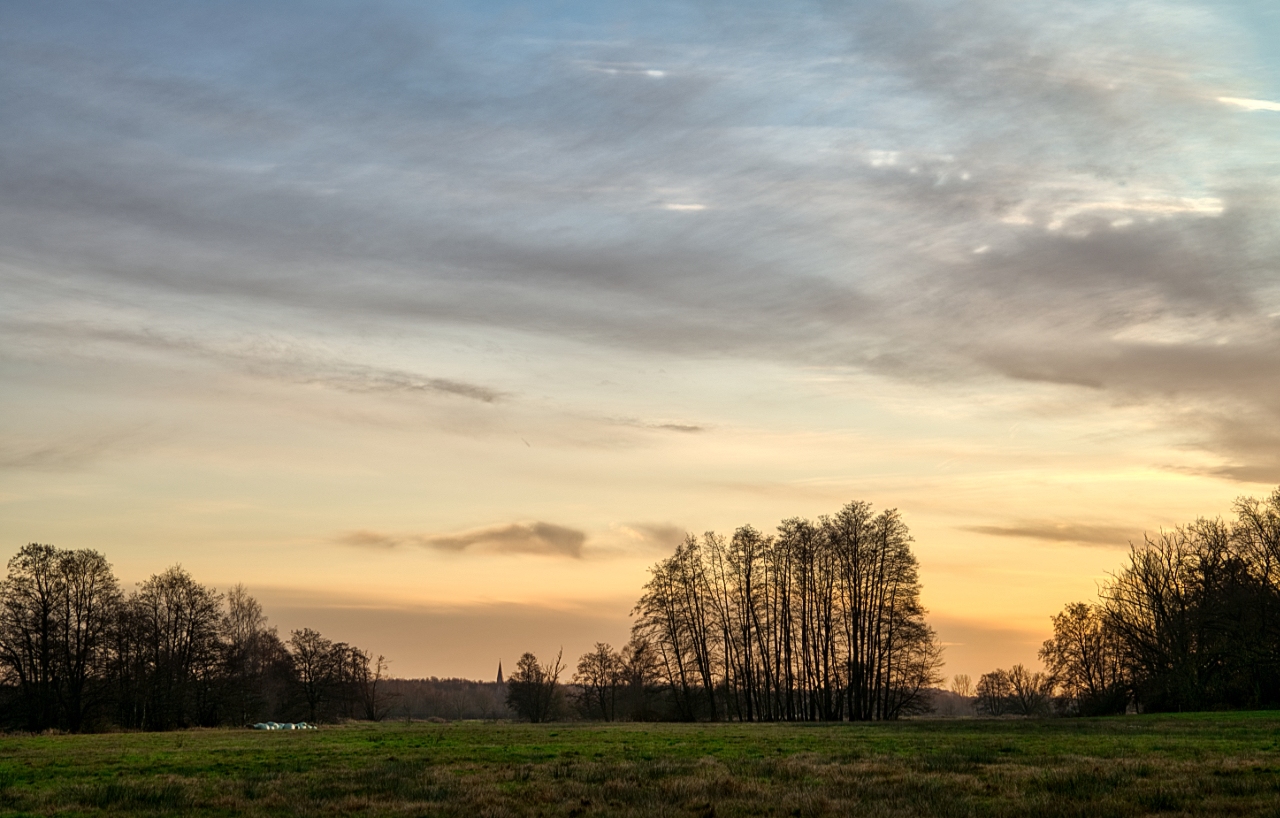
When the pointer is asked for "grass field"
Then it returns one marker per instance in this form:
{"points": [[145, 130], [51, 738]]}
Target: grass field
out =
{"points": [[1203, 764]]}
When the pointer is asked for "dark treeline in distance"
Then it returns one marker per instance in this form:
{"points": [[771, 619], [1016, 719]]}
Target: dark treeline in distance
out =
{"points": [[77, 653], [445, 699]]}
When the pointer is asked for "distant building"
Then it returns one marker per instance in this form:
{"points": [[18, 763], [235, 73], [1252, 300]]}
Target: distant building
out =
{"points": [[499, 671]]}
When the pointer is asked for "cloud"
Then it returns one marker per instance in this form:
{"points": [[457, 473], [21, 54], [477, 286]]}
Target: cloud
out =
{"points": [[355, 378], [662, 537], [1058, 531], [856, 155], [73, 451], [1251, 104], [682, 428], [540, 538], [263, 356], [370, 539], [516, 538]]}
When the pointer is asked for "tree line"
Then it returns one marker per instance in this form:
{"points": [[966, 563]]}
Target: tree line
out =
{"points": [[820, 621], [78, 653], [1190, 622]]}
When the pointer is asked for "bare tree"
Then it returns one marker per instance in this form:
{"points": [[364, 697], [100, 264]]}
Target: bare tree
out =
{"points": [[29, 607], [640, 673], [532, 689], [90, 596], [313, 663], [337, 680], [599, 677], [174, 625], [56, 608], [1166, 609], [256, 663], [994, 692], [962, 685], [1084, 657], [1029, 691], [74, 652], [370, 680], [673, 618]]}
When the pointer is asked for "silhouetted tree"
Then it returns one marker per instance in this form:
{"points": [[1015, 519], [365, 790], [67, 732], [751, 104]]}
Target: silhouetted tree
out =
{"points": [[640, 675], [56, 611], [1190, 615], [1030, 692], [1084, 658], [257, 670], [994, 693], [171, 627], [371, 684], [312, 656], [75, 653], [532, 689], [599, 678]]}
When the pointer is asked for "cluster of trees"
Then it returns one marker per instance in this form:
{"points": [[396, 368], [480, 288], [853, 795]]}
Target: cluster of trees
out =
{"points": [[1016, 691], [533, 689], [821, 621], [608, 685], [620, 685], [1192, 622], [76, 653]]}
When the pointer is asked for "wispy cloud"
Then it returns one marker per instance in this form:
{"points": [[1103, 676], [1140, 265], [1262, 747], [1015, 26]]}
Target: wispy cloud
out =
{"points": [[1251, 104], [546, 539], [262, 356], [663, 537], [370, 539], [1064, 532], [73, 451]]}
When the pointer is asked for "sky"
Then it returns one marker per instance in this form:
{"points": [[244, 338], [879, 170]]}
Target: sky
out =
{"points": [[437, 324]]}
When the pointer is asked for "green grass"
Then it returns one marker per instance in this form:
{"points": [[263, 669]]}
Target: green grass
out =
{"points": [[1202, 764]]}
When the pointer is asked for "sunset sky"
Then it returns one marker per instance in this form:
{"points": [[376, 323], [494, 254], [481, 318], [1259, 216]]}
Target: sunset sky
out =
{"points": [[437, 323]]}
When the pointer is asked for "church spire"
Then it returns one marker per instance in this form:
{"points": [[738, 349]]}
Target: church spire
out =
{"points": [[499, 671]]}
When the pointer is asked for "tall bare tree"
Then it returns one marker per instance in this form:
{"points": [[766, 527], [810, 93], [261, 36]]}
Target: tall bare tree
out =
{"points": [[1084, 658], [313, 663], [599, 679], [56, 610], [370, 682], [533, 688], [174, 627], [1030, 692], [994, 693]]}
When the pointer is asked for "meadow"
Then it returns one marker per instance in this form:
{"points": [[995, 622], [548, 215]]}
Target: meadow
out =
{"points": [[1197, 764]]}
